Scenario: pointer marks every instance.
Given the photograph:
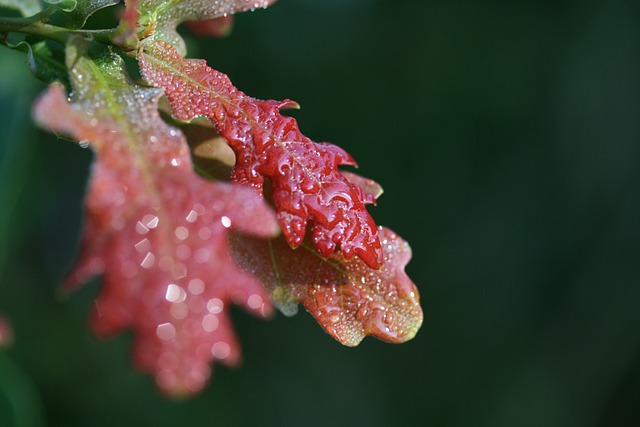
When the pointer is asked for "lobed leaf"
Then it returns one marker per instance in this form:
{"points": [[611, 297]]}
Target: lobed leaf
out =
{"points": [[154, 229], [75, 13], [45, 61], [163, 16], [307, 186], [347, 298], [63, 5]]}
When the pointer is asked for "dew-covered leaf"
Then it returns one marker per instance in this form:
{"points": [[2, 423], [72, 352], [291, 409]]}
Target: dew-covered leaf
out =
{"points": [[369, 186], [155, 230], [163, 16], [307, 186], [25, 7], [347, 298], [45, 60]]}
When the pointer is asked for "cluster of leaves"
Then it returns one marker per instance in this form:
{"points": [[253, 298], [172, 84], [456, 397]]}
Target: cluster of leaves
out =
{"points": [[178, 225]]}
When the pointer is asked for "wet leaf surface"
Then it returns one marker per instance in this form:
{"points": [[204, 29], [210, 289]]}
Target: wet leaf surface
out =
{"points": [[155, 230], [347, 298], [307, 186]]}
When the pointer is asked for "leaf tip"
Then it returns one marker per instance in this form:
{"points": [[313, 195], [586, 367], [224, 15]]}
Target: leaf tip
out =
{"points": [[289, 105], [53, 98]]}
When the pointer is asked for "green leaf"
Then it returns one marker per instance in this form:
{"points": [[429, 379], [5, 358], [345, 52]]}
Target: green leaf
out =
{"points": [[64, 5], [25, 7], [74, 13], [165, 15], [45, 60], [19, 401]]}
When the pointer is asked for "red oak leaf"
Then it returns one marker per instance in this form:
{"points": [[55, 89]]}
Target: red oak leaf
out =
{"points": [[306, 183], [131, 14], [216, 27], [347, 298], [155, 229]]}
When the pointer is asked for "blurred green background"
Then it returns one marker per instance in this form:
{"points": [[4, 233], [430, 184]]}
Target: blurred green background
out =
{"points": [[507, 137]]}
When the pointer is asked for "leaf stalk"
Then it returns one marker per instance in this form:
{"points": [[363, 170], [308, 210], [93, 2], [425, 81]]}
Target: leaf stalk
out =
{"points": [[37, 28], [61, 35]]}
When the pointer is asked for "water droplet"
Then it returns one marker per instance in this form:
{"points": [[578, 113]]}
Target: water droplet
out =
{"points": [[175, 293], [178, 270], [148, 261], [143, 245], [221, 350], [166, 331], [389, 317], [141, 228], [210, 322], [215, 305], [199, 209], [255, 301], [201, 255], [118, 223], [192, 216], [182, 233], [362, 313], [196, 286], [150, 221], [204, 233], [219, 114]]}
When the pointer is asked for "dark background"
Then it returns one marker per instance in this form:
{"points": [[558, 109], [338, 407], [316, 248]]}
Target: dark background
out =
{"points": [[507, 137]]}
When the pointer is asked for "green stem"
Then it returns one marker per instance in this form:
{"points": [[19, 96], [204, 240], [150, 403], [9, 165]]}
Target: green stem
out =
{"points": [[28, 26], [52, 32], [102, 36]]}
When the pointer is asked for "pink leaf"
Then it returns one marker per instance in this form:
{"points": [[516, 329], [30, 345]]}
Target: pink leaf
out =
{"points": [[155, 229], [306, 183], [216, 27], [347, 298]]}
